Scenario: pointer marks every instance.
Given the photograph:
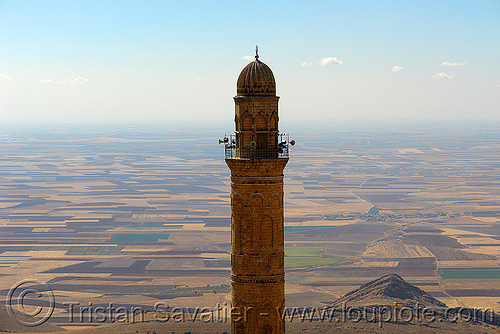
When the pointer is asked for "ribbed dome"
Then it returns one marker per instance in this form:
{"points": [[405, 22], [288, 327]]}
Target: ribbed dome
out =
{"points": [[256, 79]]}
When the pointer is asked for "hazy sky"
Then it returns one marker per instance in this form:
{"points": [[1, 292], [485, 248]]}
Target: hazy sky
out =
{"points": [[160, 61]]}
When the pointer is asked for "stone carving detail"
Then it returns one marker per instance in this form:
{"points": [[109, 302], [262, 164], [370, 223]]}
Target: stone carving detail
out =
{"points": [[257, 223]]}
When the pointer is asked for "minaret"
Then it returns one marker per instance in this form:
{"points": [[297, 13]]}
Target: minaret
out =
{"points": [[257, 154]]}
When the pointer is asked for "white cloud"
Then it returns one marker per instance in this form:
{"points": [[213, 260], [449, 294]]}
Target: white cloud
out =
{"points": [[397, 68], [248, 58], [198, 79], [307, 64], [75, 81], [6, 78], [447, 63], [89, 63], [442, 75], [330, 60]]}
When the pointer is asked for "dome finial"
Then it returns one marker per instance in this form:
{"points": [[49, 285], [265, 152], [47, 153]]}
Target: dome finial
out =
{"points": [[256, 52]]}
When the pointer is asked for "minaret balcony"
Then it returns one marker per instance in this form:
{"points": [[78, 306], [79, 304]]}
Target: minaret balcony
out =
{"points": [[254, 151]]}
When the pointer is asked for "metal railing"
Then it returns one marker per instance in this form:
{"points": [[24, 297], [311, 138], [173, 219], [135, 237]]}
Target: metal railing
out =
{"points": [[232, 151]]}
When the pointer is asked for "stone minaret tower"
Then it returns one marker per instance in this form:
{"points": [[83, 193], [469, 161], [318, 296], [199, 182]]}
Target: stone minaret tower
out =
{"points": [[257, 154]]}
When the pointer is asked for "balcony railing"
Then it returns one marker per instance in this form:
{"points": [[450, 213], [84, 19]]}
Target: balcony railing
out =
{"points": [[232, 151]]}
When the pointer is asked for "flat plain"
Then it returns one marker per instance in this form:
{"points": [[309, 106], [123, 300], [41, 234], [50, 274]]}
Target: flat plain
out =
{"points": [[140, 215]]}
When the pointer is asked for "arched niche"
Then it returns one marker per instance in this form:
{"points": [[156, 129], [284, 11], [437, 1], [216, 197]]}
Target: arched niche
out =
{"points": [[256, 203], [274, 122], [246, 122], [261, 123], [238, 203], [275, 201]]}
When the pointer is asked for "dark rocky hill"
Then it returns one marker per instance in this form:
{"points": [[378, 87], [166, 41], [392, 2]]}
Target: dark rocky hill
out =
{"points": [[10, 324], [388, 290]]}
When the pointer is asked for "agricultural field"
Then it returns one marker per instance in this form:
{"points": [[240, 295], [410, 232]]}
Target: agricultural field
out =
{"points": [[134, 216]]}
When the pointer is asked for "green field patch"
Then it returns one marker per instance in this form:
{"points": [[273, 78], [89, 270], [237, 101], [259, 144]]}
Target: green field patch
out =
{"points": [[304, 251], [373, 210], [469, 274], [304, 257], [307, 257], [137, 238]]}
